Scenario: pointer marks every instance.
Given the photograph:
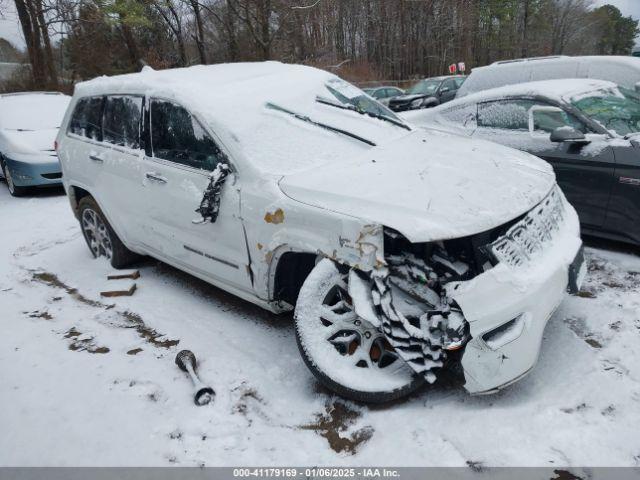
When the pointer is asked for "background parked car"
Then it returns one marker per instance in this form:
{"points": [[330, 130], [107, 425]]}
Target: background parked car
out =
{"points": [[384, 94], [428, 93], [624, 71], [29, 123], [587, 129]]}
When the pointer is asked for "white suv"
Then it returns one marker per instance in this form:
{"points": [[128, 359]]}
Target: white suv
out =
{"points": [[402, 251]]}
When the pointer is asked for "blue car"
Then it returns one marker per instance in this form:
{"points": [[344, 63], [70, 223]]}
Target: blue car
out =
{"points": [[29, 124]]}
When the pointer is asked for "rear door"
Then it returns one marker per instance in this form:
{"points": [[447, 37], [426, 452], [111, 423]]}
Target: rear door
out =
{"points": [[624, 207], [122, 164], [175, 175], [584, 172]]}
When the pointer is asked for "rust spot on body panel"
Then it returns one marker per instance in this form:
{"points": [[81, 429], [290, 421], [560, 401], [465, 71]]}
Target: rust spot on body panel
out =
{"points": [[275, 217]]}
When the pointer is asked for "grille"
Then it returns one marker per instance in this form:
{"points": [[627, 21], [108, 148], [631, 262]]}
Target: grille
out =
{"points": [[530, 235]]}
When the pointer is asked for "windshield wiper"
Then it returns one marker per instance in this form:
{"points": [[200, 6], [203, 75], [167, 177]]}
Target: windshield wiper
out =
{"points": [[353, 108], [304, 118]]}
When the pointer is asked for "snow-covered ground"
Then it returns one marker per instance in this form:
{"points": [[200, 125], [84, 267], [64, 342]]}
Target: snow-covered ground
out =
{"points": [[91, 381]]}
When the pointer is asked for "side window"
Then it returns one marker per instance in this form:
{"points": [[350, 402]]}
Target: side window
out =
{"points": [[450, 84], [459, 81], [378, 94], [547, 122], [464, 115], [514, 115], [505, 114], [178, 137], [86, 120], [121, 121]]}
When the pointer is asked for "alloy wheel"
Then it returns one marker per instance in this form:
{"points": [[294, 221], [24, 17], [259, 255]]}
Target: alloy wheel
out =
{"points": [[96, 233], [352, 336]]}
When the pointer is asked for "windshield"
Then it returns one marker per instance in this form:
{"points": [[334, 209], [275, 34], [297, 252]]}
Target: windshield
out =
{"points": [[345, 95], [424, 87], [616, 109]]}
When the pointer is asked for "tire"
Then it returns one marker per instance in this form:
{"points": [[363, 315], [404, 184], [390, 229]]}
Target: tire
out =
{"points": [[345, 353], [14, 190], [100, 237]]}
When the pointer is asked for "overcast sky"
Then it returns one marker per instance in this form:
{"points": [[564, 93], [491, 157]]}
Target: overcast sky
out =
{"points": [[10, 28]]}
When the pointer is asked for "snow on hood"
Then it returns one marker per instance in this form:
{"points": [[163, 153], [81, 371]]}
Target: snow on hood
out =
{"points": [[412, 96], [30, 141], [32, 111], [428, 186]]}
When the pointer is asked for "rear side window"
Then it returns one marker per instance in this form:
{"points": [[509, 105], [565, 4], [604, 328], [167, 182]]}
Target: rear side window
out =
{"points": [[178, 137], [86, 120], [121, 120], [464, 115]]}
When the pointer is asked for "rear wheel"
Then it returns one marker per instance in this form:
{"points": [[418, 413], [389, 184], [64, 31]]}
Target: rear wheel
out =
{"points": [[100, 237], [346, 353], [14, 189]]}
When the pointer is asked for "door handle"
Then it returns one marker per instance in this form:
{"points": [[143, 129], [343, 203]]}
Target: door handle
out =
{"points": [[155, 177], [96, 158]]}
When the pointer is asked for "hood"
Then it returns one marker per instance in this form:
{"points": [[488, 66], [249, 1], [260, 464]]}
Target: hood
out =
{"points": [[410, 98], [428, 185], [30, 141]]}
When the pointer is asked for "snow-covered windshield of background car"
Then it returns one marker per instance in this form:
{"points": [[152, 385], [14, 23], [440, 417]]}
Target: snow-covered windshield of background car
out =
{"points": [[616, 109], [32, 112], [425, 87], [352, 98]]}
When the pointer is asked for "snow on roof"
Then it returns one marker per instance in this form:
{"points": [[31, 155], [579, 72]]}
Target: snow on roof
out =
{"points": [[555, 89], [232, 98], [504, 64]]}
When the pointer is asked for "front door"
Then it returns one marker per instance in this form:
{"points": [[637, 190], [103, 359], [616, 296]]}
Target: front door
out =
{"points": [[175, 176]]}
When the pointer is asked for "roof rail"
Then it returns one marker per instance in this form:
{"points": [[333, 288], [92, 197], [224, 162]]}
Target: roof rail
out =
{"points": [[531, 59]]}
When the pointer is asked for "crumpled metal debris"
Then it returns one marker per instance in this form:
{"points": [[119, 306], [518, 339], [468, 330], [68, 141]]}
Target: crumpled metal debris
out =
{"points": [[210, 204], [421, 332]]}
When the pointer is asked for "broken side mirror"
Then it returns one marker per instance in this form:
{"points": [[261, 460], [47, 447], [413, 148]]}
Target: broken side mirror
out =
{"points": [[567, 134]]}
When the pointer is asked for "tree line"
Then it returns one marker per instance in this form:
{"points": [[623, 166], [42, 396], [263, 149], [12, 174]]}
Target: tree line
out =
{"points": [[72, 40]]}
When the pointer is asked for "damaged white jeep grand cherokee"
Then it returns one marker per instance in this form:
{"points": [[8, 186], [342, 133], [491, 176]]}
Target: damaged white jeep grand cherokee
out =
{"points": [[401, 250]]}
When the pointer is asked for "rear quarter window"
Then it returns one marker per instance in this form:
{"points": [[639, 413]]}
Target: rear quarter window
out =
{"points": [[86, 120]]}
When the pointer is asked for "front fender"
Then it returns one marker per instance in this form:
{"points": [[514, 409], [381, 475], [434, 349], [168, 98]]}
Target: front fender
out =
{"points": [[289, 226]]}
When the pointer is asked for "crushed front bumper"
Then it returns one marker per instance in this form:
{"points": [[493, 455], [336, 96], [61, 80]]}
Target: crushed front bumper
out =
{"points": [[38, 171], [507, 307]]}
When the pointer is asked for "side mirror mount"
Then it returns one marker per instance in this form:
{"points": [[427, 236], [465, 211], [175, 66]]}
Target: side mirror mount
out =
{"points": [[567, 135], [444, 89]]}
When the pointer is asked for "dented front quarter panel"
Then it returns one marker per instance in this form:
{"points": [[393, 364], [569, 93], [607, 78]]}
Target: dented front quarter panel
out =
{"points": [[276, 224]]}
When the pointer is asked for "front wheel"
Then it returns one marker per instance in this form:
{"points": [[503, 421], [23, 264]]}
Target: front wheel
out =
{"points": [[346, 353]]}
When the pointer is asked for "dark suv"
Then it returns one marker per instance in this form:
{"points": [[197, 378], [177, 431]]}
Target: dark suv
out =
{"points": [[428, 93]]}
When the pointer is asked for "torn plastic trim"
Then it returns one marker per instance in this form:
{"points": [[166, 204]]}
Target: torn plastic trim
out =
{"points": [[407, 302], [210, 205]]}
